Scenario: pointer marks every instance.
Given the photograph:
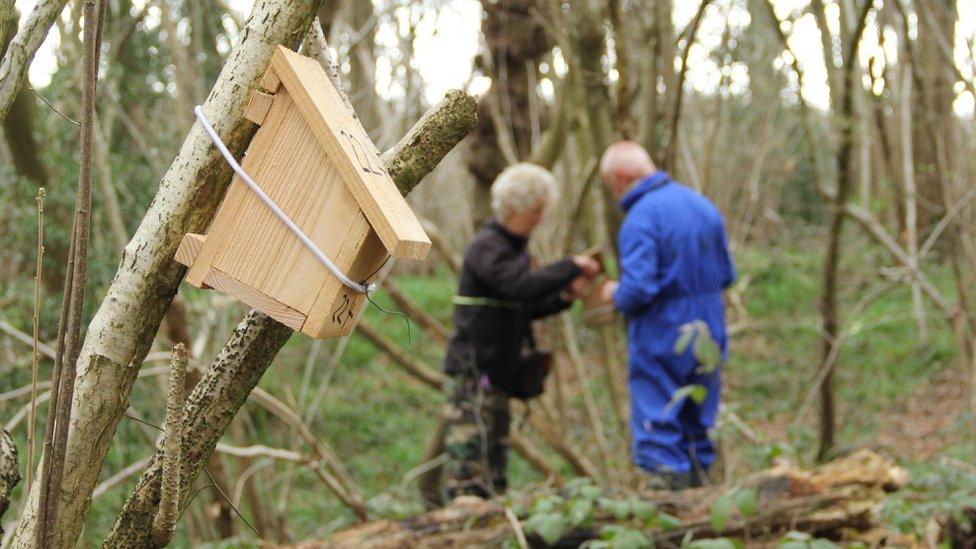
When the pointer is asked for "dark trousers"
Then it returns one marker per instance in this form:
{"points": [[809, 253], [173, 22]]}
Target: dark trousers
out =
{"points": [[476, 438]]}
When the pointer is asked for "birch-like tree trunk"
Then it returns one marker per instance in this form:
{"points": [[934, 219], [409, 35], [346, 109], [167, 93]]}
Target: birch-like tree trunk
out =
{"points": [[238, 367], [9, 471], [123, 328], [29, 37]]}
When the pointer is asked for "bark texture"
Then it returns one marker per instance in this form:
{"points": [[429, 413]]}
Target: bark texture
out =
{"points": [[18, 125], [238, 367], [165, 519], [29, 37], [516, 41], [122, 329], [933, 113], [9, 472], [831, 270], [419, 151]]}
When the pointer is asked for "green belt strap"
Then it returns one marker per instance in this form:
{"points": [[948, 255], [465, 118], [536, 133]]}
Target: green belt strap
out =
{"points": [[484, 302]]}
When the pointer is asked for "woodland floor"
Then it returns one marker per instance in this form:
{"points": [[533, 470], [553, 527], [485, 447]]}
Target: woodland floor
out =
{"points": [[921, 426], [907, 400]]}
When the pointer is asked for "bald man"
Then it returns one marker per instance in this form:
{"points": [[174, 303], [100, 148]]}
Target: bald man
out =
{"points": [[674, 265]]}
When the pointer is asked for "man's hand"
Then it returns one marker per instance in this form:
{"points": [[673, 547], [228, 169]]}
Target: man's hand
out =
{"points": [[590, 267], [607, 290]]}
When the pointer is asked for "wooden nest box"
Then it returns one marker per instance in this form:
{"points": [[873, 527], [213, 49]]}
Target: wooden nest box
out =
{"points": [[315, 161]]}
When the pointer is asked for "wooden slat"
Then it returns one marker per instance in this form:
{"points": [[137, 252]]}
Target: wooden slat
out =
{"points": [[257, 300], [189, 248], [253, 164], [354, 155], [258, 106], [336, 307], [270, 81], [263, 253]]}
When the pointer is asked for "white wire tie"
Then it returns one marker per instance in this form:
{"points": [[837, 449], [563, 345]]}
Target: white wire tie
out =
{"points": [[366, 288]]}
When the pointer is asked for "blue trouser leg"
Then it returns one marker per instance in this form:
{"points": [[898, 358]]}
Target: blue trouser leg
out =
{"points": [[697, 419], [666, 437], [656, 428]]}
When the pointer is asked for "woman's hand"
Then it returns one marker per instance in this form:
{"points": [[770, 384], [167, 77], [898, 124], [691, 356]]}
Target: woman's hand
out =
{"points": [[590, 267], [578, 288]]}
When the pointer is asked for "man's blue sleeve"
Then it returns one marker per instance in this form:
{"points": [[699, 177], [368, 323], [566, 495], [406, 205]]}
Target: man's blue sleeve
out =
{"points": [[729, 274], [638, 269]]}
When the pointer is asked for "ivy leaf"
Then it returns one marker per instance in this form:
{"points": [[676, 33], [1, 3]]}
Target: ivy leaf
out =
{"points": [[707, 352], [746, 501], [544, 505], [696, 392], [589, 492], [719, 514], [643, 510], [608, 531], [719, 543], [668, 522], [580, 511], [687, 334], [619, 509], [628, 538], [548, 526]]}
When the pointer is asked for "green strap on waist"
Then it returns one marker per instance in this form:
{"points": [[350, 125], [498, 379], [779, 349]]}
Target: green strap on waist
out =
{"points": [[484, 302]]}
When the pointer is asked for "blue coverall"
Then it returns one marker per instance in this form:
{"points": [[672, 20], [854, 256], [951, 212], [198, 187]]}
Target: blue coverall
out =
{"points": [[674, 264]]}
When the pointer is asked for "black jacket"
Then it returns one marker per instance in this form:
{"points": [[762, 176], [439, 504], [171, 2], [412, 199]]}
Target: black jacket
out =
{"points": [[488, 338]]}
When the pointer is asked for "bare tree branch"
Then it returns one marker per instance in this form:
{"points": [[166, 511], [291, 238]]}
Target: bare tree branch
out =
{"points": [[238, 367], [122, 330], [20, 52]]}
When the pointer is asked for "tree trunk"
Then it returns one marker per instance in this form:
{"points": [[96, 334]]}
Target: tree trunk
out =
{"points": [[362, 63], [9, 472], [122, 329], [29, 37], [831, 270], [515, 42], [18, 128], [238, 367], [933, 110]]}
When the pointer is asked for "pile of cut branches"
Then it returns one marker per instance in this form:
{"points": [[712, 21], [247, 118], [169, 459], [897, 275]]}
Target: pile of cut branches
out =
{"points": [[837, 501]]}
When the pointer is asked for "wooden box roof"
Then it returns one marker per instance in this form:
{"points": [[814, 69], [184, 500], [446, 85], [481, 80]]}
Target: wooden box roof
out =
{"points": [[351, 151]]}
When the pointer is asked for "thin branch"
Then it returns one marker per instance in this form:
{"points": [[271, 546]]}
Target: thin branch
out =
{"points": [[120, 477], [669, 161], [53, 108], [517, 528], [441, 244], [20, 52], [237, 511], [262, 451], [341, 483], [22, 337], [433, 327], [414, 367], [165, 520], [592, 411], [35, 354], [63, 385]]}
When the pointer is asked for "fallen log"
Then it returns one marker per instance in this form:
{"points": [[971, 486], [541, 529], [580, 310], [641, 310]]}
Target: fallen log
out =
{"points": [[837, 501]]}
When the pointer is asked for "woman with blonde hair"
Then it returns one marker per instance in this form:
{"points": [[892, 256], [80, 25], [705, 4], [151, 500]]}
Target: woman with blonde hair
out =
{"points": [[492, 354]]}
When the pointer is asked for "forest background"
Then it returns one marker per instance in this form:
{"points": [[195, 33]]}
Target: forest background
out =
{"points": [[837, 137]]}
